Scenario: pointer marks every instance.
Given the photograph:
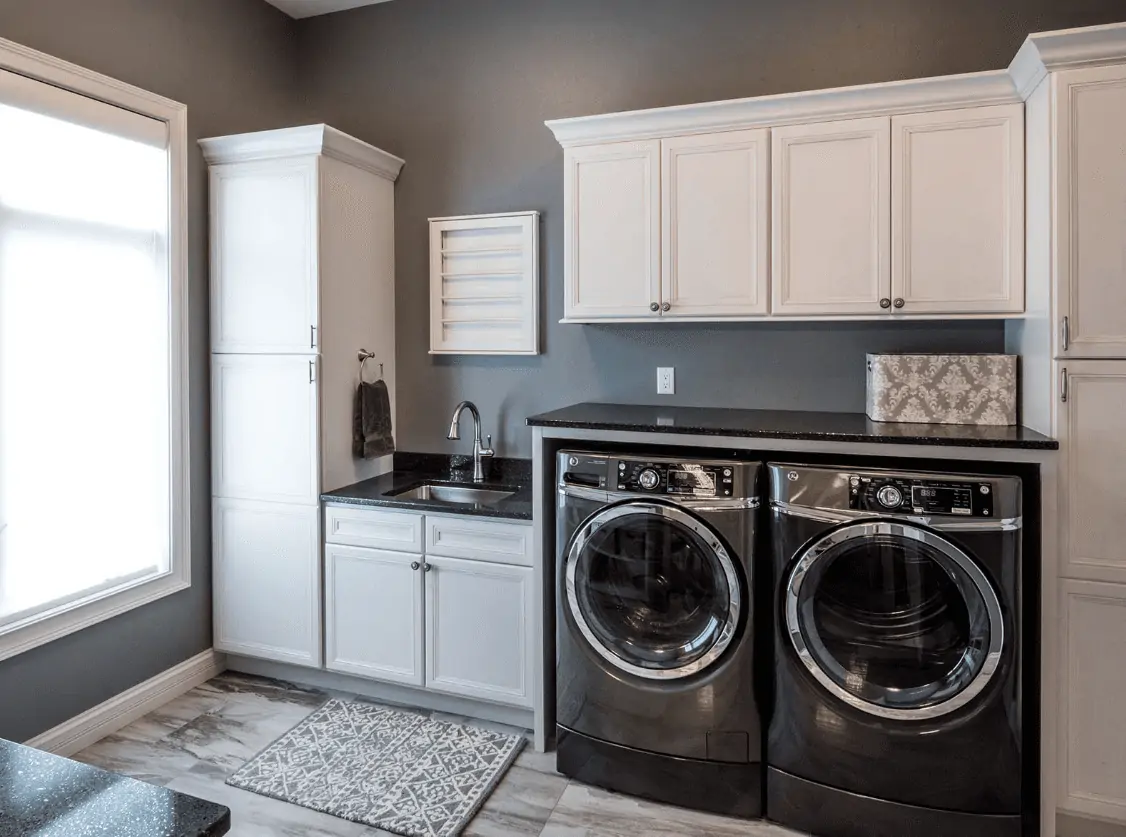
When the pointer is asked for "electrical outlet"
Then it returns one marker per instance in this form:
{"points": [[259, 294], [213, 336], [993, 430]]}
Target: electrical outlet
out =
{"points": [[666, 380]]}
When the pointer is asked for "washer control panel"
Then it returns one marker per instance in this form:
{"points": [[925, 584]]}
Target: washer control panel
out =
{"points": [[691, 479], [896, 495]]}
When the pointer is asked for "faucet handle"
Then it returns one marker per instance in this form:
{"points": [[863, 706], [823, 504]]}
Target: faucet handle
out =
{"points": [[488, 451]]}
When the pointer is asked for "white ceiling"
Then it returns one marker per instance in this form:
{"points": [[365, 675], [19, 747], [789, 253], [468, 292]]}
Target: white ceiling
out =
{"points": [[309, 8]]}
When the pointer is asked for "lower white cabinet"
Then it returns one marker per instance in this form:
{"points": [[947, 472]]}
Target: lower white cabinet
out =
{"points": [[478, 617], [1092, 775], [267, 580], [373, 614], [454, 613]]}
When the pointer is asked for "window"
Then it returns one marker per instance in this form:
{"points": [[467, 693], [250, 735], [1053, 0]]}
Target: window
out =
{"points": [[93, 495]]}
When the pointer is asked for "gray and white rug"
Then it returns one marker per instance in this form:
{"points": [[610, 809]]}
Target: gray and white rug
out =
{"points": [[383, 767]]}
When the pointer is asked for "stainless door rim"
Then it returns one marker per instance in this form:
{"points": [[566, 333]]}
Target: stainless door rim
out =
{"points": [[727, 630], [964, 563], [946, 524], [703, 504]]}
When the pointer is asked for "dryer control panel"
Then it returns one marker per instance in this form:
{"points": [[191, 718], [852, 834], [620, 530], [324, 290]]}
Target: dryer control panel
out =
{"points": [[897, 495], [692, 479]]}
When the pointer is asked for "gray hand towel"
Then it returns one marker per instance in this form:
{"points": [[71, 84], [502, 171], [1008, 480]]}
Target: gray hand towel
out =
{"points": [[371, 421]]}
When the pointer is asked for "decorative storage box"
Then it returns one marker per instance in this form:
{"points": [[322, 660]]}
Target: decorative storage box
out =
{"points": [[943, 389]]}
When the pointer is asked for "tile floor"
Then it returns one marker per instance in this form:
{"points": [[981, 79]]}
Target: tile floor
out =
{"points": [[193, 743]]}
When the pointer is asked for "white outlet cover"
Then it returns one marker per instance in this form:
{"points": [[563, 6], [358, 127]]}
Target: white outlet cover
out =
{"points": [[666, 380]]}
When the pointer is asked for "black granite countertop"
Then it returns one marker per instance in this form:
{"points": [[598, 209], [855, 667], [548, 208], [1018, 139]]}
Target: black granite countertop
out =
{"points": [[411, 469], [786, 424], [48, 796]]}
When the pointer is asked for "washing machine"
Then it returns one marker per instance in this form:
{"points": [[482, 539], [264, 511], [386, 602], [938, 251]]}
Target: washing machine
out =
{"points": [[896, 706], [655, 669]]}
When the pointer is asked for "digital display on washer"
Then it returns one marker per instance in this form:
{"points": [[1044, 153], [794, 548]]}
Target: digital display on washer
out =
{"points": [[940, 499], [691, 482]]}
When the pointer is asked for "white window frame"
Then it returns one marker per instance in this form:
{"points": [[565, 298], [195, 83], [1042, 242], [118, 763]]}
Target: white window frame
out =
{"points": [[76, 615]]}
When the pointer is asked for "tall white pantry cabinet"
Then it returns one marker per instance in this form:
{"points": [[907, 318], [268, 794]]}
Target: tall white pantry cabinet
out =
{"points": [[302, 278], [1073, 344]]}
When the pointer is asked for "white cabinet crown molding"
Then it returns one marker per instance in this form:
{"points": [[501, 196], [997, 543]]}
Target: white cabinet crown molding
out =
{"points": [[306, 139], [1042, 51]]}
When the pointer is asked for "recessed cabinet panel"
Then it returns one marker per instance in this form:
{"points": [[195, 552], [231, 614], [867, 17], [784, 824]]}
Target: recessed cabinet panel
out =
{"points": [[264, 417], [1093, 737], [264, 257], [266, 565], [1090, 169], [374, 613], [958, 211], [831, 218], [715, 222], [1092, 431], [479, 618], [612, 230]]}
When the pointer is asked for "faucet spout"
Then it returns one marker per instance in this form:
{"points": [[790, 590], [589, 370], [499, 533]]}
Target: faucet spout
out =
{"points": [[479, 451]]}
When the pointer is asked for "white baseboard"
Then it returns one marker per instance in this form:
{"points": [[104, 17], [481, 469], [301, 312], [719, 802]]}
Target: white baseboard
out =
{"points": [[107, 718], [1074, 825]]}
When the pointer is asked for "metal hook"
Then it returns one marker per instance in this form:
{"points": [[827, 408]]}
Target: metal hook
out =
{"points": [[364, 356]]}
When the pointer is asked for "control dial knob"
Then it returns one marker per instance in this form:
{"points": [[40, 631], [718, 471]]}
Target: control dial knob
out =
{"points": [[889, 497], [648, 479]]}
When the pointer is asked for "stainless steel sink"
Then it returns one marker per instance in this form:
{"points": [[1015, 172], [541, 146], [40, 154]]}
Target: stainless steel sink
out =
{"points": [[455, 495]]}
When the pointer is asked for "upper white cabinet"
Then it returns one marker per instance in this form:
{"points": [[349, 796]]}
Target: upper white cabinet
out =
{"points": [[1090, 171], [831, 197], [957, 210], [612, 231], [264, 257], [715, 215], [302, 278]]}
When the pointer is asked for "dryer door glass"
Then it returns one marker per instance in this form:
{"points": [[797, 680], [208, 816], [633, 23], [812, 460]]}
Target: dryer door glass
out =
{"points": [[894, 619], [653, 590]]}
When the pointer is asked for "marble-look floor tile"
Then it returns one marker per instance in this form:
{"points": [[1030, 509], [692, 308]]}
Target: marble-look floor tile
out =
{"points": [[170, 717], [519, 806], [156, 762], [237, 731], [253, 815], [533, 760], [236, 686], [589, 812]]}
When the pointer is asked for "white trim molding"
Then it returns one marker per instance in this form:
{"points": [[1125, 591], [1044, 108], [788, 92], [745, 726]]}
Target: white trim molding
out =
{"points": [[1044, 51], [307, 139], [118, 712], [97, 607]]}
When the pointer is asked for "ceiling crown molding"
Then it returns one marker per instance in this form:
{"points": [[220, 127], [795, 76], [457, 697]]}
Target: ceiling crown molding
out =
{"points": [[1041, 53], [307, 139]]}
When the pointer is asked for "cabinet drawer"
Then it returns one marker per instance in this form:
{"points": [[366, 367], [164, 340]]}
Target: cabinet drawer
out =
{"points": [[482, 540], [400, 531]]}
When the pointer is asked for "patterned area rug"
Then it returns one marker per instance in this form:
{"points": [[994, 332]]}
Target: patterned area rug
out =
{"points": [[383, 767]]}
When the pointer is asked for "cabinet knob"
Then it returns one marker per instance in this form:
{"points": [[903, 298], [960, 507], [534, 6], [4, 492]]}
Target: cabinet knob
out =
{"points": [[899, 303], [667, 306], [427, 568], [885, 303], [654, 306], [415, 565]]}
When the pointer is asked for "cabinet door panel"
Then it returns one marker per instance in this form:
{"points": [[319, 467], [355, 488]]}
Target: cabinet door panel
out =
{"points": [[831, 217], [1091, 210], [478, 628], [266, 580], [264, 257], [264, 428], [373, 624], [958, 211], [612, 230], [715, 222], [1092, 450], [1092, 736]]}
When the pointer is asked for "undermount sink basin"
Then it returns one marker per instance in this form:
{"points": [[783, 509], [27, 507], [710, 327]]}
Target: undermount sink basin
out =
{"points": [[462, 495]]}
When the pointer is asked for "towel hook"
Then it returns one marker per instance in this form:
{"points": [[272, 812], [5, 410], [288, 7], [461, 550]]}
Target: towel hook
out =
{"points": [[364, 356]]}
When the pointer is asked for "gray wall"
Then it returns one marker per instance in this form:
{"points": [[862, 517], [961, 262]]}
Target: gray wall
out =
{"points": [[461, 90], [233, 63]]}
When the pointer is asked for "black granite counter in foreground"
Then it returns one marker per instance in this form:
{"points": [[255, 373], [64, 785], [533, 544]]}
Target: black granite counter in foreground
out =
{"points": [[48, 796], [414, 468], [786, 424]]}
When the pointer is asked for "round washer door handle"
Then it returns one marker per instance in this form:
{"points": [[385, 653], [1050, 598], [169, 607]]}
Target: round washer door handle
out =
{"points": [[885, 303], [899, 302]]}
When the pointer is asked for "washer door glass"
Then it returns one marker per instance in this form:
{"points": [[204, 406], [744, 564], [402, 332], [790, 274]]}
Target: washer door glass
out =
{"points": [[894, 620], [652, 589]]}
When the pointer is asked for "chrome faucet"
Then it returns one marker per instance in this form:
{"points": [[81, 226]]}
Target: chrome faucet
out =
{"points": [[479, 453]]}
